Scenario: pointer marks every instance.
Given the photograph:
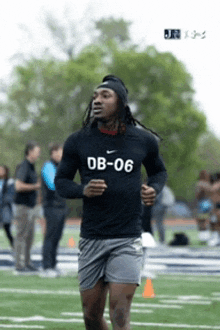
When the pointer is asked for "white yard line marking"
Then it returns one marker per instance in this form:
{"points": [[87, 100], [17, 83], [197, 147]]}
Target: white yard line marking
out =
{"points": [[192, 278], [106, 314], [172, 296], [174, 325], [77, 293], [18, 326], [156, 305], [138, 311], [187, 261], [189, 297], [52, 292], [39, 318], [179, 301], [38, 257], [193, 300], [44, 319], [72, 314]]}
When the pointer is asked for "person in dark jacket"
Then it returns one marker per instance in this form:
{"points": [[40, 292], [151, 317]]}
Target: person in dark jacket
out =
{"points": [[6, 202], [55, 211], [108, 152], [26, 186]]}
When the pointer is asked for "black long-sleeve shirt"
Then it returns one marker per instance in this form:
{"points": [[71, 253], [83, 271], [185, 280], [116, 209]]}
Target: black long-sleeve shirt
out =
{"points": [[117, 160]]}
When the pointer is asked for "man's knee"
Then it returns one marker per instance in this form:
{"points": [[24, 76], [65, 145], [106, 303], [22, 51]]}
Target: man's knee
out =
{"points": [[119, 317], [93, 320], [120, 311], [93, 313]]}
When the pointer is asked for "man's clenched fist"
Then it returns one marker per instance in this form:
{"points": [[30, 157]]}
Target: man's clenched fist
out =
{"points": [[94, 188], [148, 195]]}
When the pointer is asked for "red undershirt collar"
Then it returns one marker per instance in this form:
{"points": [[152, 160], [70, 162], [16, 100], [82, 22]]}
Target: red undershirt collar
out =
{"points": [[108, 132]]}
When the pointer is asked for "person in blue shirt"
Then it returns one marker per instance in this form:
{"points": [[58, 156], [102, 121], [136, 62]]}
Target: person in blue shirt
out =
{"points": [[54, 208], [6, 201]]}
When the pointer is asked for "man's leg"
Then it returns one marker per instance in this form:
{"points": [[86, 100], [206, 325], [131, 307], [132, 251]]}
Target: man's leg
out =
{"points": [[7, 228], [146, 218], [55, 219], [21, 234], [159, 223], [58, 231], [48, 239], [93, 304], [202, 225], [123, 273], [120, 298], [213, 240], [30, 236]]}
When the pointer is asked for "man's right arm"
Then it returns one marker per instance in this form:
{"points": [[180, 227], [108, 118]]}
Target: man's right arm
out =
{"points": [[67, 169], [20, 184]]}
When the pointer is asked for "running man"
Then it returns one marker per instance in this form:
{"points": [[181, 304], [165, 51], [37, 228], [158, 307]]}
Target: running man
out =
{"points": [[108, 152]]}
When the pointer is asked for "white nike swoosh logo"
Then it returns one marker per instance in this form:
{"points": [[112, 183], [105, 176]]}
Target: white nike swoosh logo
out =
{"points": [[111, 151]]}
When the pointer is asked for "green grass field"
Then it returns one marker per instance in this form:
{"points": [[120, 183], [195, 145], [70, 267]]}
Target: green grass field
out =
{"points": [[73, 231], [181, 302], [38, 239]]}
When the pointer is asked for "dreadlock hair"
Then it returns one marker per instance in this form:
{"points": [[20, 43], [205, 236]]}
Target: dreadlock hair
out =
{"points": [[125, 117]]}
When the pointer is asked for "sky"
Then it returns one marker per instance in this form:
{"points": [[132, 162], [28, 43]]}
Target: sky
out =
{"points": [[149, 20]]}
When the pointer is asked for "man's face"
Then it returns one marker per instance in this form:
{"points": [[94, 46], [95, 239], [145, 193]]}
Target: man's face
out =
{"points": [[57, 155], [105, 104], [35, 153]]}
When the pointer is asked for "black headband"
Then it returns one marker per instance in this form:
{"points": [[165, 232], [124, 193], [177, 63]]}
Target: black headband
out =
{"points": [[117, 86]]}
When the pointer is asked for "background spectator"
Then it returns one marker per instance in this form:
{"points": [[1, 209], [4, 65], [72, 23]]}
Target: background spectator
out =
{"points": [[203, 193], [26, 187], [55, 211], [6, 201]]}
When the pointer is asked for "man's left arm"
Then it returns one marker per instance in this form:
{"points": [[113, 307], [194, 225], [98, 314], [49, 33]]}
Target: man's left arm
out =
{"points": [[157, 175]]}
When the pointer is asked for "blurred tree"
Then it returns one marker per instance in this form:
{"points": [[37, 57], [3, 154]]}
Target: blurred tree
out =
{"points": [[160, 90], [51, 96], [47, 97], [113, 29], [209, 152], [11, 147], [64, 36]]}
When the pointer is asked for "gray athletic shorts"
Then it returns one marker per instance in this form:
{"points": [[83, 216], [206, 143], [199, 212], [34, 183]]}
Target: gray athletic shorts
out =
{"points": [[115, 260]]}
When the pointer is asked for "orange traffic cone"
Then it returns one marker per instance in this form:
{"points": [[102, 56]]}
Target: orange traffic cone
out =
{"points": [[148, 289], [71, 242]]}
